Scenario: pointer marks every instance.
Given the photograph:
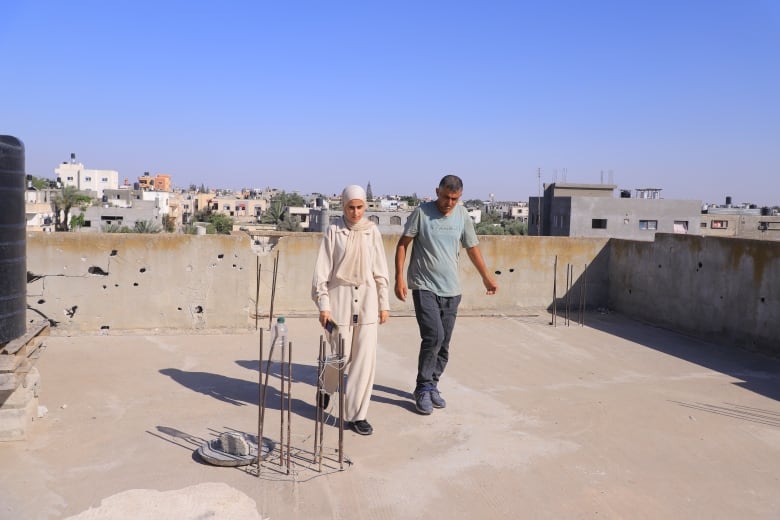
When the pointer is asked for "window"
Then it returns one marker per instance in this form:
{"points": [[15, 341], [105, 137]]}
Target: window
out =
{"points": [[87, 179], [395, 220], [104, 179], [703, 225], [374, 219], [681, 226], [649, 225], [719, 224], [599, 223]]}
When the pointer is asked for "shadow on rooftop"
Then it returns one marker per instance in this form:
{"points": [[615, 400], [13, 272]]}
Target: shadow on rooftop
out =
{"points": [[758, 373]]}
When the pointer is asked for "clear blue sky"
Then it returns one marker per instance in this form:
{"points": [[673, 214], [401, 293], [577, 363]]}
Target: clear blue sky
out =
{"points": [[682, 95]]}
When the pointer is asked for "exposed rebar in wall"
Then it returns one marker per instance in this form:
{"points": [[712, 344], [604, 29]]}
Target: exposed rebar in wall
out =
{"points": [[273, 292], [260, 401]]}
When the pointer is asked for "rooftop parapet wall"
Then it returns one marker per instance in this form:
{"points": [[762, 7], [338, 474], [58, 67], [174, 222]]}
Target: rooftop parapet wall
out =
{"points": [[102, 283], [722, 289], [97, 283]]}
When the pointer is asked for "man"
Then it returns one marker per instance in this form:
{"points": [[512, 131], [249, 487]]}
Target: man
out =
{"points": [[438, 229]]}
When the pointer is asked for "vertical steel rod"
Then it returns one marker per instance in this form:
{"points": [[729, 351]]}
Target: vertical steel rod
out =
{"points": [[568, 293], [281, 403], [318, 413], [257, 291], [260, 403], [289, 402], [273, 292], [555, 292], [341, 402]]}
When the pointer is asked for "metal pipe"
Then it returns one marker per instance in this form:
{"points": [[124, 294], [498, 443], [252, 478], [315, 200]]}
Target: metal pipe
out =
{"points": [[273, 292], [289, 402], [260, 403], [319, 413], [341, 402], [555, 292], [257, 291]]}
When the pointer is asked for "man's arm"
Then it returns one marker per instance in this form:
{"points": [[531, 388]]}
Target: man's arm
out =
{"points": [[400, 259], [475, 255]]}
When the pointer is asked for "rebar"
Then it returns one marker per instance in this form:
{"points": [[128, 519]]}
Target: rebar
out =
{"points": [[257, 291], [555, 293], [273, 292], [259, 402], [289, 402], [341, 401], [319, 414]]}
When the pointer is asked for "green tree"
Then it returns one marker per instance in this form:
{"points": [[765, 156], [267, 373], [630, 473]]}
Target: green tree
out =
{"points": [[77, 221], [39, 183], [146, 226], [222, 223], [63, 202], [274, 214], [489, 228], [169, 223]]}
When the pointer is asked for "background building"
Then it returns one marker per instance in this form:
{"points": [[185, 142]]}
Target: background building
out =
{"points": [[591, 210]]}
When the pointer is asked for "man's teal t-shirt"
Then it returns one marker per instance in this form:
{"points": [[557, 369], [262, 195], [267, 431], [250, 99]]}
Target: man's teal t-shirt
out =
{"points": [[433, 265]]}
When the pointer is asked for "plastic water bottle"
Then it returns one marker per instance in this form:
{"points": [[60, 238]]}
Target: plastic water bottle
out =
{"points": [[279, 334]]}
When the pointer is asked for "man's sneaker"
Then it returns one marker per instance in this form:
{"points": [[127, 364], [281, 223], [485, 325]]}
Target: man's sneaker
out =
{"points": [[436, 399], [422, 401], [362, 427]]}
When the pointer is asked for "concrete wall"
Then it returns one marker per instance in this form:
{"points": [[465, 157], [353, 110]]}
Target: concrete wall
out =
{"points": [[717, 288], [101, 283], [722, 289], [623, 216]]}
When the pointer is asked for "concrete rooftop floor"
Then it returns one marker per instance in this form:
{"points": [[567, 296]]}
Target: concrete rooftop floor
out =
{"points": [[615, 419]]}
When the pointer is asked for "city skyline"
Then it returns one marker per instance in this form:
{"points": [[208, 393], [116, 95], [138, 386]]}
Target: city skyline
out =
{"points": [[310, 97]]}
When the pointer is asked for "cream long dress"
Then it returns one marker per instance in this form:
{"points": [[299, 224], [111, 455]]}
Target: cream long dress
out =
{"points": [[355, 308]]}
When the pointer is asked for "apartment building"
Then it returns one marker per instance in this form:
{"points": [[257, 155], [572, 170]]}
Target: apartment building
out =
{"points": [[87, 180], [592, 210]]}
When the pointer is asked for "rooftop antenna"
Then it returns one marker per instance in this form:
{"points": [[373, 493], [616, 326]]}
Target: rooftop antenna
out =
{"points": [[539, 199], [611, 179], [564, 175]]}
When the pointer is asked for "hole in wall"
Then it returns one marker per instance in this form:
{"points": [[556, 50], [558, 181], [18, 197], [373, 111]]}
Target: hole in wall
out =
{"points": [[104, 327], [700, 265], [220, 256], [629, 291], [763, 300], [512, 270], [41, 301], [105, 286], [113, 252], [135, 284], [116, 285], [178, 308], [659, 266], [97, 270], [198, 309], [142, 270], [498, 272]]}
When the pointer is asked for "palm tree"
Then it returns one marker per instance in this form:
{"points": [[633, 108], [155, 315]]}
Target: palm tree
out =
{"points": [[63, 202]]}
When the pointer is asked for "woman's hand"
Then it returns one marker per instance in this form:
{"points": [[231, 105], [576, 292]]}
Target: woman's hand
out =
{"points": [[324, 317], [383, 316]]}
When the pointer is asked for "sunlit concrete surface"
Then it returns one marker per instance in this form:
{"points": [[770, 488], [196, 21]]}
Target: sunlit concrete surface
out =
{"points": [[613, 419]]}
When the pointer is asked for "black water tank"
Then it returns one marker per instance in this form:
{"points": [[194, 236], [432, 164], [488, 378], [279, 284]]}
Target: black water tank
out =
{"points": [[13, 244]]}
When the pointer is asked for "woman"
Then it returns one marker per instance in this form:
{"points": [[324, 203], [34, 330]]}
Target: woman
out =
{"points": [[350, 287]]}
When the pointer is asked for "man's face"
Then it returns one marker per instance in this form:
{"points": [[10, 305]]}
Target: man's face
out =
{"points": [[446, 200]]}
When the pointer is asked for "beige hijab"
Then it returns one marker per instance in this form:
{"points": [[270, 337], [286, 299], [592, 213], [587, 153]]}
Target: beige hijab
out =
{"points": [[352, 268]]}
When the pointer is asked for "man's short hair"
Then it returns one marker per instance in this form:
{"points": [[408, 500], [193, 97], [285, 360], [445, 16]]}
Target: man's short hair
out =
{"points": [[451, 183]]}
